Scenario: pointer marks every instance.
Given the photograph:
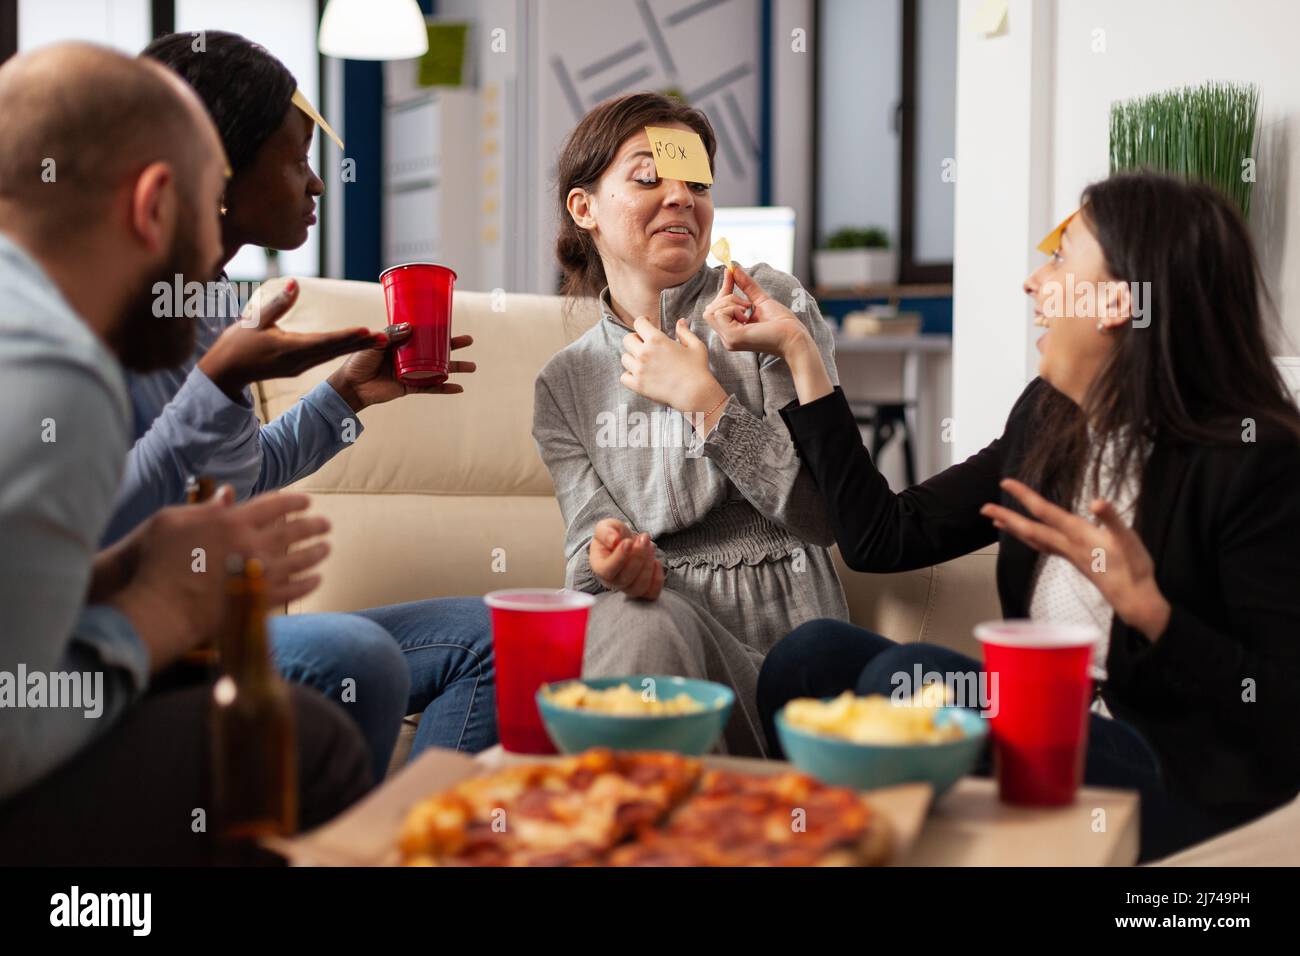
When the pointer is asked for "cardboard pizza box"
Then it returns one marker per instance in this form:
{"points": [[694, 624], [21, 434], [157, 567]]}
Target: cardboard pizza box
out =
{"points": [[366, 834]]}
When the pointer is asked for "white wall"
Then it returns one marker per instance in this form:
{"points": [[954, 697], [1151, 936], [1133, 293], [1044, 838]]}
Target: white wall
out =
{"points": [[1154, 45], [1002, 205], [1032, 131], [123, 24]]}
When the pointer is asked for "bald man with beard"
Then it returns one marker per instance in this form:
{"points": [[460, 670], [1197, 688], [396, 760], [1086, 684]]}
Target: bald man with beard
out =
{"points": [[111, 174]]}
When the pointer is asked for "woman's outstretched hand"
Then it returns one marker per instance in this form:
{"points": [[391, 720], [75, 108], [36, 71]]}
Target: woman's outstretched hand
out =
{"points": [[755, 322], [625, 561], [759, 323], [256, 348], [367, 378], [1110, 555]]}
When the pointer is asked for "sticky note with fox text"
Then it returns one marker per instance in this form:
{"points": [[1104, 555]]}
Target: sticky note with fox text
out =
{"points": [[679, 154]]}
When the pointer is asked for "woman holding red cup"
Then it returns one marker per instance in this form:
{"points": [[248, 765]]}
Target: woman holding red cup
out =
{"points": [[1145, 488]]}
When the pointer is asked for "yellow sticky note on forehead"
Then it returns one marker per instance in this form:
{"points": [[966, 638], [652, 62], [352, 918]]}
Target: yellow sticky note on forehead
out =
{"points": [[679, 154], [1052, 241], [300, 100]]}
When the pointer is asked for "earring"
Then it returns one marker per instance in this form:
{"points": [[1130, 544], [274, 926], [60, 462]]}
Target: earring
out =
{"points": [[1101, 326]]}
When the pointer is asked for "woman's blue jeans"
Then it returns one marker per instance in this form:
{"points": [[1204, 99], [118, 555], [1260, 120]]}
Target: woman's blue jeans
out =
{"points": [[432, 656], [827, 657]]}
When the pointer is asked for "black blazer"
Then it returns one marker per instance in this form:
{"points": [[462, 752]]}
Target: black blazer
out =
{"points": [[1218, 695]]}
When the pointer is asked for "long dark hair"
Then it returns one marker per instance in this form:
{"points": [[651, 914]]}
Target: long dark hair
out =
{"points": [[585, 156], [1197, 370], [246, 90]]}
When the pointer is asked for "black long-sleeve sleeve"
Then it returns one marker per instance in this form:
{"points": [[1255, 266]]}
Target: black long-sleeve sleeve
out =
{"points": [[880, 530]]}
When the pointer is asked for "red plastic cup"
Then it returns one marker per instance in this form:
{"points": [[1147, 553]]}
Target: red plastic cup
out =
{"points": [[538, 636], [1039, 689], [420, 293]]}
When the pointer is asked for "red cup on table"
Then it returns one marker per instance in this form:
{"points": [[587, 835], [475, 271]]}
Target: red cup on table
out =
{"points": [[420, 293], [538, 635], [1039, 687]]}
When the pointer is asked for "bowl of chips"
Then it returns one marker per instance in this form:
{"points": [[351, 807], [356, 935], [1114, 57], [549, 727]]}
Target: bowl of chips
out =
{"points": [[637, 712], [868, 742]]}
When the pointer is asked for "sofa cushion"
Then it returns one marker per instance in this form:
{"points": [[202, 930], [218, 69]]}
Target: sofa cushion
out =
{"points": [[447, 495], [1272, 840], [937, 605]]}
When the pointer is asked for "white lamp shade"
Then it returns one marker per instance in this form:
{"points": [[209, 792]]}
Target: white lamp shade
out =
{"points": [[373, 30]]}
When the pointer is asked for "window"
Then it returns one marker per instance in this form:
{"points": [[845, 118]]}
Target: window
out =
{"points": [[287, 28], [886, 96], [123, 24]]}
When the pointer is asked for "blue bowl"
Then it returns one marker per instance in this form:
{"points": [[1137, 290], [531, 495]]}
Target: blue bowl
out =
{"points": [[867, 766], [574, 731]]}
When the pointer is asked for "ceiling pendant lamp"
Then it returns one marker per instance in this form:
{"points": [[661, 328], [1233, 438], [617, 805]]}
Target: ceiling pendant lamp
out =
{"points": [[373, 30]]}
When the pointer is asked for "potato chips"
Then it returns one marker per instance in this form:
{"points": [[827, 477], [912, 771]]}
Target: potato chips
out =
{"points": [[722, 252], [873, 720]]}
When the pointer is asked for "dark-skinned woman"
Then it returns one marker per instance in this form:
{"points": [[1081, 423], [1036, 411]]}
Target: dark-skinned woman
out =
{"points": [[432, 656], [1158, 431]]}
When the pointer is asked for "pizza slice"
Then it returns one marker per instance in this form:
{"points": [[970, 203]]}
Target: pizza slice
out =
{"points": [[787, 819], [569, 812]]}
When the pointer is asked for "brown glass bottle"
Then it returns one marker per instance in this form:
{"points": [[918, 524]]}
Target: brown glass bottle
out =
{"points": [[255, 761], [199, 490]]}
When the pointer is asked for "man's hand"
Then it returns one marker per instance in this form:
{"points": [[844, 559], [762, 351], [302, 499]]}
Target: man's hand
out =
{"points": [[114, 566], [176, 598], [255, 348], [367, 378], [624, 561]]}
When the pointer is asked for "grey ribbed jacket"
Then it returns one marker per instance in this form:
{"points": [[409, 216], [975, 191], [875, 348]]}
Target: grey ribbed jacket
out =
{"points": [[739, 501]]}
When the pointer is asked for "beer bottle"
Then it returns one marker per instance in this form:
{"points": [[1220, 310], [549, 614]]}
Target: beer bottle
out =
{"points": [[199, 490], [255, 762]]}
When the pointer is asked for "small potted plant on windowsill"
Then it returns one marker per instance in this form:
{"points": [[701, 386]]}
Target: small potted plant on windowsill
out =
{"points": [[852, 257]]}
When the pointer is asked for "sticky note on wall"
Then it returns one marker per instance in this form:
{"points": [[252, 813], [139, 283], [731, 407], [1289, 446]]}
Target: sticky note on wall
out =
{"points": [[990, 18], [679, 154]]}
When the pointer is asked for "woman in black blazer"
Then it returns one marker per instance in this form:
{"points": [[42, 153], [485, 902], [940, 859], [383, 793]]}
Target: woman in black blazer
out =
{"points": [[1165, 452]]}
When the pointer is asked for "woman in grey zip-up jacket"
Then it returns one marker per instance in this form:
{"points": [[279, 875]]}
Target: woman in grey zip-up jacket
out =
{"points": [[686, 508]]}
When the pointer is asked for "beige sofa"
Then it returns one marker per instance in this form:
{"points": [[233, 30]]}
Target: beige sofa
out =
{"points": [[446, 495]]}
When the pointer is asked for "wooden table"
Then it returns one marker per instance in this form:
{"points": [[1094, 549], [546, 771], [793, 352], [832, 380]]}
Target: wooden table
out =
{"points": [[970, 826]]}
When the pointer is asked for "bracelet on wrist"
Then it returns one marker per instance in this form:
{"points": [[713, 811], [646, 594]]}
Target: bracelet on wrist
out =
{"points": [[709, 414]]}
